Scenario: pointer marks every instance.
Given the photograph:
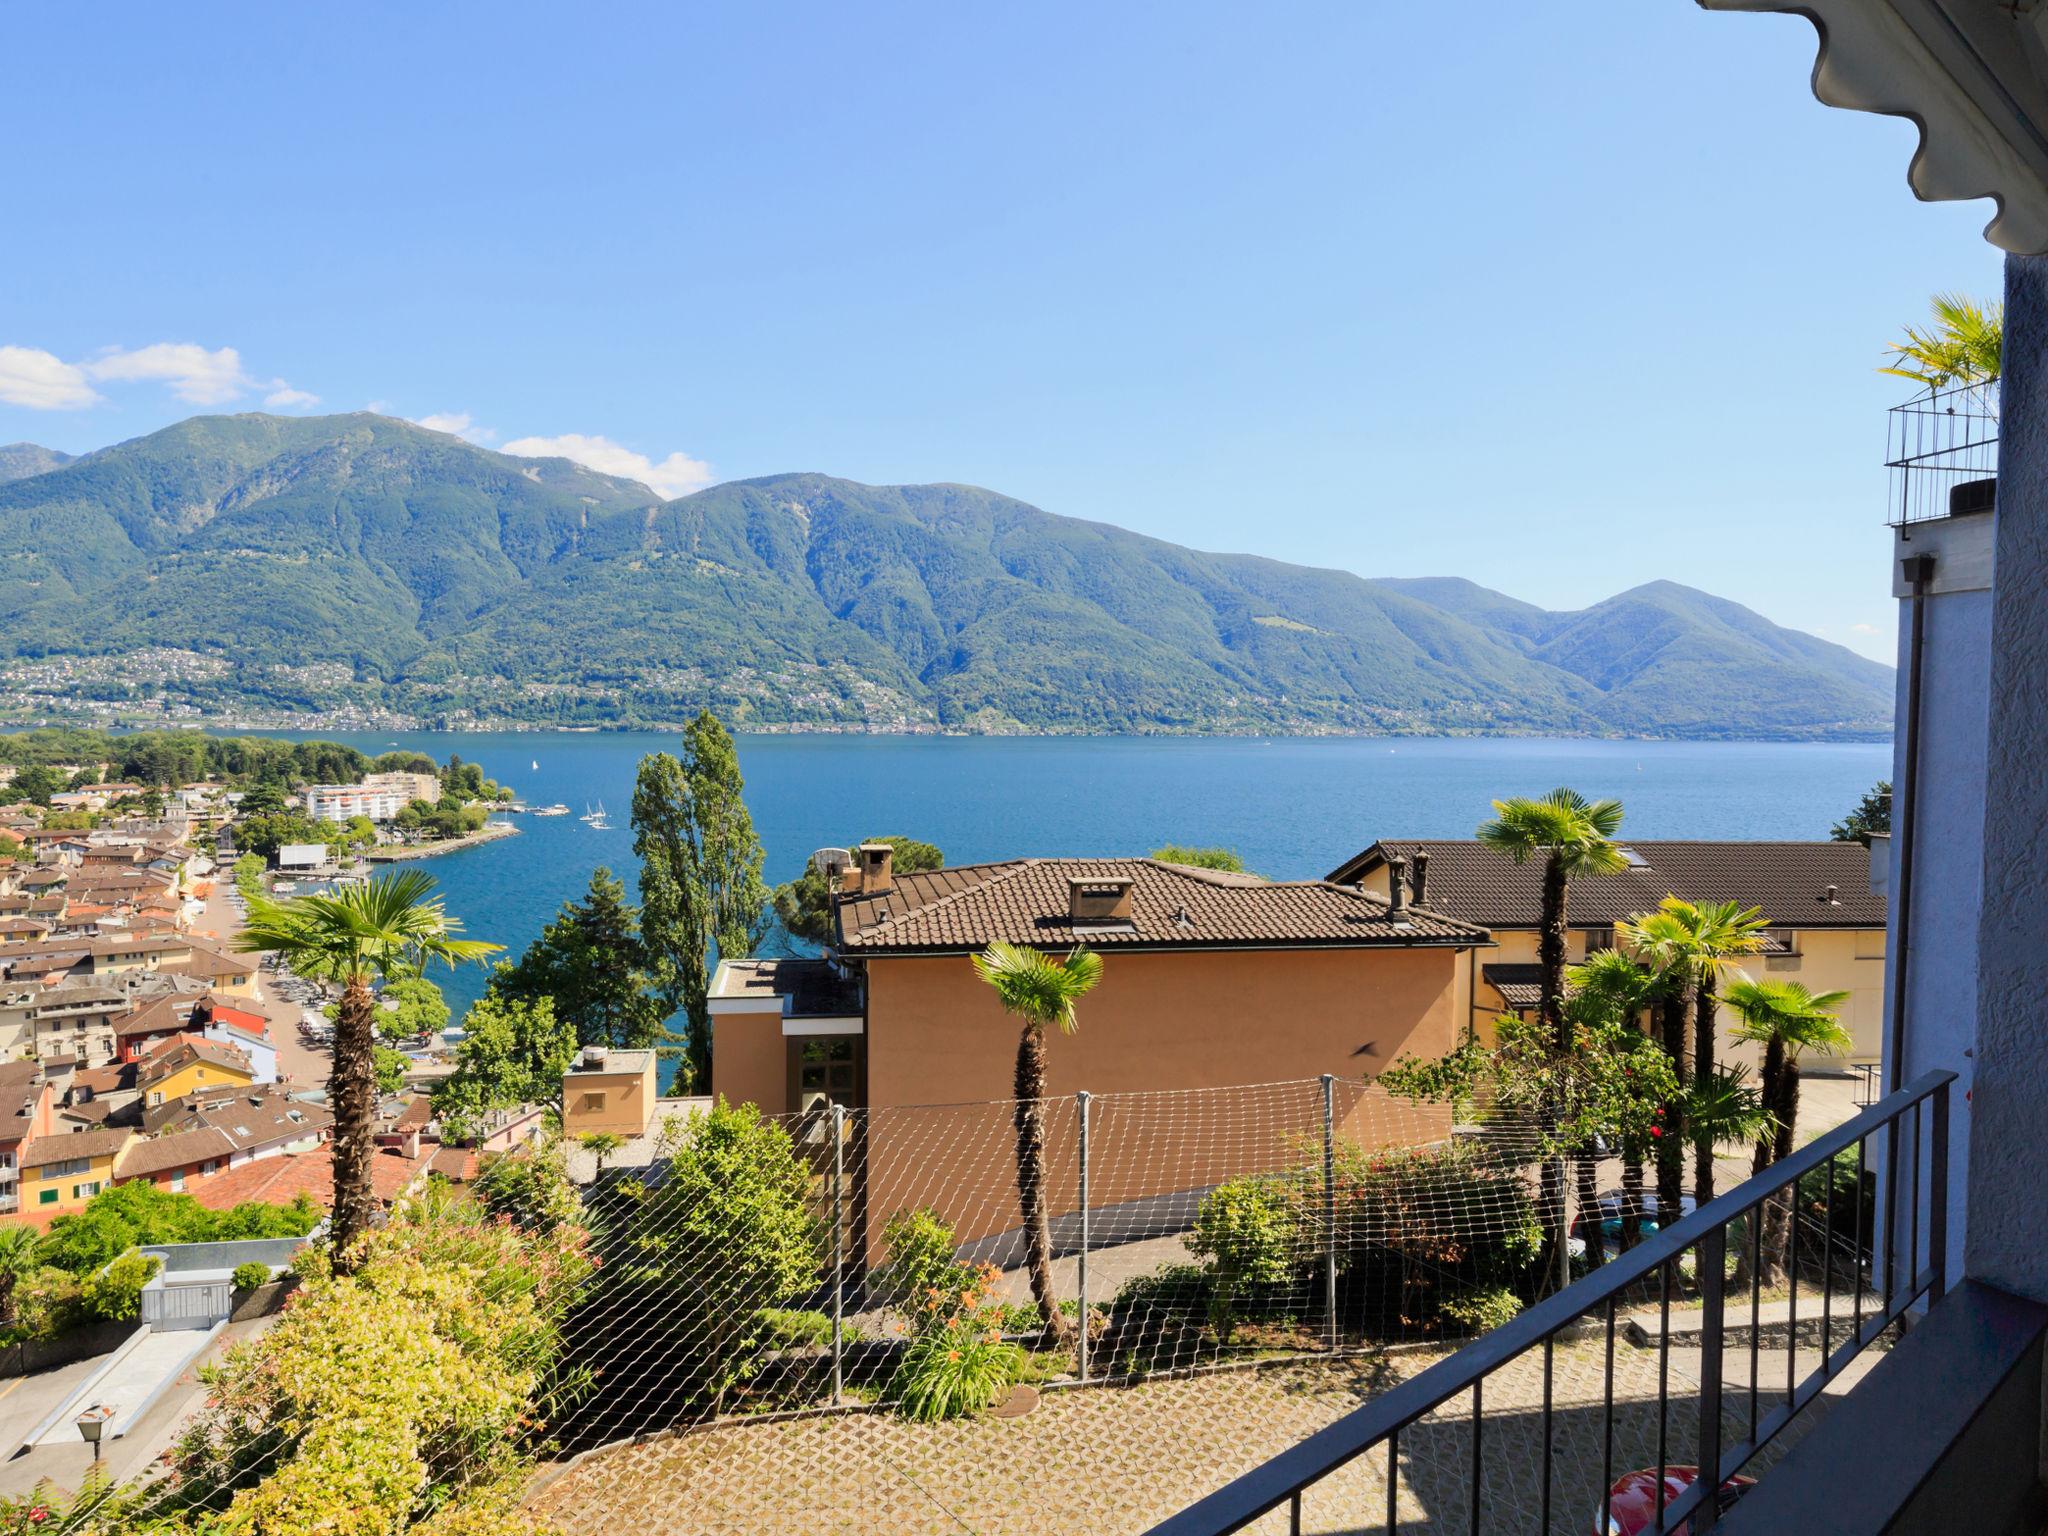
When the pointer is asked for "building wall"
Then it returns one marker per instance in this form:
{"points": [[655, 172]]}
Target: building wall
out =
{"points": [[627, 1107], [70, 1188], [191, 1078], [1179, 1033], [2008, 1174], [750, 1060]]}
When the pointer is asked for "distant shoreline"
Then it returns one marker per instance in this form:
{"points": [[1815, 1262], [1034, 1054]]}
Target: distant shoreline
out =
{"points": [[490, 833]]}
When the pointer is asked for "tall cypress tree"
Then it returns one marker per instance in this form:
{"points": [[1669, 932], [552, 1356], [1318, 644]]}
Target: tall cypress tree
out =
{"points": [[700, 875]]}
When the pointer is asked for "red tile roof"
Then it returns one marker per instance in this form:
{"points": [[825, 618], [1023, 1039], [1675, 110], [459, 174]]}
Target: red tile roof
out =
{"points": [[279, 1179], [1173, 906]]}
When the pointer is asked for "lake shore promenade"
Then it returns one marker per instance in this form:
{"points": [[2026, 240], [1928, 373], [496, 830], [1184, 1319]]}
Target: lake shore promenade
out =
{"points": [[490, 833]]}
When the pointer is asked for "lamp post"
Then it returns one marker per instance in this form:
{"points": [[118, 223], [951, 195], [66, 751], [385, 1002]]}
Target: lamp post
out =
{"points": [[92, 1424]]}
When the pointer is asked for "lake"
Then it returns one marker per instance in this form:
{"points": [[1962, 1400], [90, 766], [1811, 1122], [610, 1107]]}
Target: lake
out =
{"points": [[1293, 808]]}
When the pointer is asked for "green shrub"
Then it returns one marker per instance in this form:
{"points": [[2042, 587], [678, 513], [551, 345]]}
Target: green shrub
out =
{"points": [[786, 1328], [250, 1275], [1248, 1232], [1418, 1225], [48, 1303], [115, 1293], [1155, 1320], [1482, 1311], [920, 1247]]}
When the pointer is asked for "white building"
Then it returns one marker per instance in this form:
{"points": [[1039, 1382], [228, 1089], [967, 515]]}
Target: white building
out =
{"points": [[407, 786], [345, 802]]}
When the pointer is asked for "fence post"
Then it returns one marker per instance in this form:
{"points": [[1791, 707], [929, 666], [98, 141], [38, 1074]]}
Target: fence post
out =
{"points": [[1330, 1210], [838, 1252], [1713, 1257], [1081, 1265]]}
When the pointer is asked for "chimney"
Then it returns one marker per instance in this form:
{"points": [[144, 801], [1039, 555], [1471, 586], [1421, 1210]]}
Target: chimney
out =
{"points": [[1102, 899], [1828, 896], [874, 866], [1397, 884], [1421, 886]]}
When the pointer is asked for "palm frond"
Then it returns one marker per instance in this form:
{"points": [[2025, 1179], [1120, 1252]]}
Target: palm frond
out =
{"points": [[1036, 986]]}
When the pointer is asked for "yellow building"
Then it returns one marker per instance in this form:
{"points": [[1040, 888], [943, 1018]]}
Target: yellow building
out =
{"points": [[609, 1091], [1827, 927], [65, 1169], [187, 1064]]}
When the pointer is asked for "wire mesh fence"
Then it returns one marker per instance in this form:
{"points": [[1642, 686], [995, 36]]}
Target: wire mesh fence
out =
{"points": [[784, 1323]]}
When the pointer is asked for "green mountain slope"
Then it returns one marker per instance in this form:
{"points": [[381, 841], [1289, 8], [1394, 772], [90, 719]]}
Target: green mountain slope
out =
{"points": [[359, 567], [20, 460]]}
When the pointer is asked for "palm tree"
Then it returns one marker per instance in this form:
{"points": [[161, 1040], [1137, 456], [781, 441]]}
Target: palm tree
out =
{"points": [[1701, 940], [1965, 345], [1619, 989], [1785, 1019], [1041, 991], [20, 1254], [1574, 837], [1658, 942], [387, 928]]}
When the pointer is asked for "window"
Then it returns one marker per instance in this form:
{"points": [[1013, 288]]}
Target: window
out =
{"points": [[47, 1197], [177, 1181], [85, 1191], [156, 1097], [592, 1102]]}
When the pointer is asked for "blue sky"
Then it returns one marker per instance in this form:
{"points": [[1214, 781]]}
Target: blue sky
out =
{"points": [[1561, 298]]}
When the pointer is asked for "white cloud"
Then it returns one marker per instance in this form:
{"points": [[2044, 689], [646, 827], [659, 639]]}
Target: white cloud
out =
{"points": [[42, 381], [461, 423], [193, 373], [1865, 629], [676, 475]]}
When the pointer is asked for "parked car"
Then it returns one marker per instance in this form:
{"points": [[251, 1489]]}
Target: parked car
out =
{"points": [[1633, 1505]]}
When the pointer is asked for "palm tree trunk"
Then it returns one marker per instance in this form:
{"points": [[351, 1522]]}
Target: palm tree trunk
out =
{"points": [[1670, 1149], [352, 1095], [1589, 1210], [1030, 1120], [1784, 1104], [1631, 1202], [1550, 958], [1702, 1069]]}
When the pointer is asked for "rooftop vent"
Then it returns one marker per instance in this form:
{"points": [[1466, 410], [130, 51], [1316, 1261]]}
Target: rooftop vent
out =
{"points": [[1099, 899], [1420, 884], [1828, 896], [594, 1059], [1397, 884]]}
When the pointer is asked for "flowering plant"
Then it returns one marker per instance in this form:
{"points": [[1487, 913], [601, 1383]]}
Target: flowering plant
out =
{"points": [[958, 1363]]}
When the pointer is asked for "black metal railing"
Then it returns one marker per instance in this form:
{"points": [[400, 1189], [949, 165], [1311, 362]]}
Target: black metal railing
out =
{"points": [[1870, 1269], [1941, 449]]}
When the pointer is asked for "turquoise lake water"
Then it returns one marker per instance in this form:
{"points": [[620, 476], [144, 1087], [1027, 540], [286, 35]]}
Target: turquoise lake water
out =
{"points": [[1292, 808]]}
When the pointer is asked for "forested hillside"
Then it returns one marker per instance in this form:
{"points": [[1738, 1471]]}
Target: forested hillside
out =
{"points": [[362, 568]]}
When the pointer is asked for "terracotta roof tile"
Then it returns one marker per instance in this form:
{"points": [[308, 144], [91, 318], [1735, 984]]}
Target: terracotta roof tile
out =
{"points": [[279, 1179], [1172, 906], [1788, 880]]}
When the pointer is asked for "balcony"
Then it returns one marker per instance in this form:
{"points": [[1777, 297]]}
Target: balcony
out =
{"points": [[1671, 1358]]}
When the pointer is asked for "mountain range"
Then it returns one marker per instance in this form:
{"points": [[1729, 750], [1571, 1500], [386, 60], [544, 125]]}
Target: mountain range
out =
{"points": [[363, 569]]}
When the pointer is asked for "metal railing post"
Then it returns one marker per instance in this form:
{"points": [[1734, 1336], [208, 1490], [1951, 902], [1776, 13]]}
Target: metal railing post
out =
{"points": [[1937, 1199], [838, 1253], [1713, 1265], [1330, 1210], [1081, 1261]]}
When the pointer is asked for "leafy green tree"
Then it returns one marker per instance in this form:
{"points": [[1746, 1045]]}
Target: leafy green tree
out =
{"points": [[591, 964], [1872, 815], [390, 1068], [266, 834], [1574, 837], [390, 927], [1039, 991], [804, 905], [421, 1009], [1225, 859], [20, 1257], [700, 875], [513, 1051], [266, 797], [729, 1231], [114, 1294], [36, 784]]}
